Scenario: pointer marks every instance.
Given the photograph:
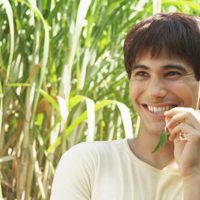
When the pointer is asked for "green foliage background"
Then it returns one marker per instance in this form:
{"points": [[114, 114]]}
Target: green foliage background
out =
{"points": [[63, 82]]}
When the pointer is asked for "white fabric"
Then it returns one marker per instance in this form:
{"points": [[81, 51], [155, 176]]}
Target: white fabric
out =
{"points": [[110, 171]]}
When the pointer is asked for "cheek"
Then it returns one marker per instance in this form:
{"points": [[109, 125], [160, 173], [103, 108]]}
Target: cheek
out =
{"points": [[135, 91], [188, 93]]}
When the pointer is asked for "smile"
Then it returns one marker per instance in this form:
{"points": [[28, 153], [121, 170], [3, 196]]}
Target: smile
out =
{"points": [[159, 109]]}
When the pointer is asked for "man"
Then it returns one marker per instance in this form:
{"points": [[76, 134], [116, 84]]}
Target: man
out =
{"points": [[162, 61]]}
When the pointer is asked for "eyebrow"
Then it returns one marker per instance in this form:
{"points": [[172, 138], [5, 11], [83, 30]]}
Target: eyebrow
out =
{"points": [[165, 67], [139, 66]]}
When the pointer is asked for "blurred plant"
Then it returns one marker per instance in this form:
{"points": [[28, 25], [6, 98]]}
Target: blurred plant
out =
{"points": [[63, 82]]}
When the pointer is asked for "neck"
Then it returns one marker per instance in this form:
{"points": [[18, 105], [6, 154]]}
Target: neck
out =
{"points": [[143, 145]]}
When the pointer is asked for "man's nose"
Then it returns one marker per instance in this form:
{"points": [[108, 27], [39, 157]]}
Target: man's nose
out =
{"points": [[157, 88]]}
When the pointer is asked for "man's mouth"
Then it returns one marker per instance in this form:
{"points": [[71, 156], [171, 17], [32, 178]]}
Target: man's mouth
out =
{"points": [[158, 109]]}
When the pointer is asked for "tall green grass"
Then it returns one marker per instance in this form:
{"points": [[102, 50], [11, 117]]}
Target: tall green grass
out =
{"points": [[63, 82]]}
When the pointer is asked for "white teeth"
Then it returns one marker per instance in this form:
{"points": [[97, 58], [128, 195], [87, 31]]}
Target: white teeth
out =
{"points": [[159, 109]]}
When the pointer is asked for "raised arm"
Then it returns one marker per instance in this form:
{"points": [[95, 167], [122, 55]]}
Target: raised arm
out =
{"points": [[184, 129]]}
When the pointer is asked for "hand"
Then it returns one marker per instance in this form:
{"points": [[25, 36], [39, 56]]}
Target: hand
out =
{"points": [[183, 125]]}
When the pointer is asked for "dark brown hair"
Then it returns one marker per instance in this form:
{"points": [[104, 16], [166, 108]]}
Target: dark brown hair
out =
{"points": [[177, 34]]}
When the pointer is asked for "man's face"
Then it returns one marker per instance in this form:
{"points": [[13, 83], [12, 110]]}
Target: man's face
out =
{"points": [[159, 84]]}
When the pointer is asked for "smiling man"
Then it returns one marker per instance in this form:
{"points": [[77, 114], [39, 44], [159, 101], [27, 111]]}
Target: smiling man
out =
{"points": [[159, 84], [162, 59]]}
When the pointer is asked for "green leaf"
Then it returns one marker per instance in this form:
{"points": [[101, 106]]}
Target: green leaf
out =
{"points": [[9, 13], [162, 141]]}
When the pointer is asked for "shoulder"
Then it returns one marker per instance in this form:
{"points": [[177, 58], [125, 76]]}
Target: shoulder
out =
{"points": [[93, 151], [96, 147], [81, 165]]}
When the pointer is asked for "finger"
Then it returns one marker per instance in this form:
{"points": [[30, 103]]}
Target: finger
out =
{"points": [[185, 132], [177, 119], [176, 110], [181, 131], [188, 115]]}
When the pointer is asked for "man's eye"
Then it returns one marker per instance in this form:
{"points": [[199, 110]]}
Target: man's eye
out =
{"points": [[173, 74], [141, 74]]}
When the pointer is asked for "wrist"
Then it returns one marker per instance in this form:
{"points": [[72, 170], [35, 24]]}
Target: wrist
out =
{"points": [[191, 187]]}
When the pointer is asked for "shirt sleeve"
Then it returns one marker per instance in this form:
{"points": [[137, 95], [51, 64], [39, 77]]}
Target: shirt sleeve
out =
{"points": [[74, 174]]}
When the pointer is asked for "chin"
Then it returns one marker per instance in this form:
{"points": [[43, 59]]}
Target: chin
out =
{"points": [[154, 128]]}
